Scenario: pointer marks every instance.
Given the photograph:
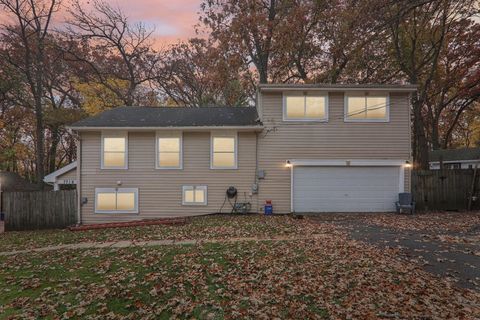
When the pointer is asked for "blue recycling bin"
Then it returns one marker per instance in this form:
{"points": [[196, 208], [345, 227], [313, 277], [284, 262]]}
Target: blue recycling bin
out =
{"points": [[268, 207]]}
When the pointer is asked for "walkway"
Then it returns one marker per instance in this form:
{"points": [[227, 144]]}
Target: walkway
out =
{"points": [[150, 243]]}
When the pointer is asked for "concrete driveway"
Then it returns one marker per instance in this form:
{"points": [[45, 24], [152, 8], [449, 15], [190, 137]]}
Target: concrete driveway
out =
{"points": [[446, 252]]}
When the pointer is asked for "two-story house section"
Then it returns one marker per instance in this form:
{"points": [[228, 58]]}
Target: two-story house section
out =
{"points": [[307, 148], [334, 148]]}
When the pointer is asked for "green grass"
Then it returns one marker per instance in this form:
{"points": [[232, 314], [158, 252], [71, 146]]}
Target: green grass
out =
{"points": [[206, 227], [191, 281], [326, 277]]}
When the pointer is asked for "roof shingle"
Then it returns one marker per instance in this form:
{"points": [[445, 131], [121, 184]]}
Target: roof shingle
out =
{"points": [[138, 117], [455, 154]]}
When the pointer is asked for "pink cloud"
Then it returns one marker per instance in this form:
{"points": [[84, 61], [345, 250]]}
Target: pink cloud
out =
{"points": [[173, 20]]}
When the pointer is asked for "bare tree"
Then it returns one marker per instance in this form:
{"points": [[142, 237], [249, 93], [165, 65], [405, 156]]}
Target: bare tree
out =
{"points": [[23, 42], [196, 73], [126, 47], [418, 38]]}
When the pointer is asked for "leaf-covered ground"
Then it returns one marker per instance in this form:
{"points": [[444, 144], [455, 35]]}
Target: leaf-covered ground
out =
{"points": [[329, 276], [204, 227], [432, 221]]}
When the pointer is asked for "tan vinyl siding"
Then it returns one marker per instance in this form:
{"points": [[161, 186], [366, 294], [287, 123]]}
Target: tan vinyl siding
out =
{"points": [[160, 191], [334, 139], [70, 175]]}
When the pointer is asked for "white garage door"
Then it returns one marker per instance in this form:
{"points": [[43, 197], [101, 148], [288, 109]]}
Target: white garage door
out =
{"points": [[345, 189]]}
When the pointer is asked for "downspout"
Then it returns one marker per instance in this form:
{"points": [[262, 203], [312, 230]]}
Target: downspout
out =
{"points": [[260, 117], [256, 180], [410, 151], [79, 180]]}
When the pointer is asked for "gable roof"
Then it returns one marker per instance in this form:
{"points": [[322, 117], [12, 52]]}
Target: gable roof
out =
{"points": [[51, 178], [154, 117], [455, 154]]}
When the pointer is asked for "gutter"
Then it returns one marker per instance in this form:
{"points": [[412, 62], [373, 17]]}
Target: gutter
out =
{"points": [[336, 88], [191, 128], [79, 180]]}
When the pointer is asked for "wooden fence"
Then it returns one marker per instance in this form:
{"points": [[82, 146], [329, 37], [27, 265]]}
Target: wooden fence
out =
{"points": [[449, 189], [39, 209]]}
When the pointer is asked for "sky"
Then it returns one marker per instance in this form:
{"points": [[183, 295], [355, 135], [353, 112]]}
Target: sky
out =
{"points": [[173, 20]]}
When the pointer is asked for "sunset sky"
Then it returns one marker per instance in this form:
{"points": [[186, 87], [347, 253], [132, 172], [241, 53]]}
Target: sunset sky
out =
{"points": [[173, 20]]}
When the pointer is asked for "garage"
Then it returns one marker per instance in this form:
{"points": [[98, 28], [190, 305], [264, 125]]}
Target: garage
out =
{"points": [[346, 188]]}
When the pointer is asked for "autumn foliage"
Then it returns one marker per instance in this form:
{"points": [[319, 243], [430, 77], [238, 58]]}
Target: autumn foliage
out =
{"points": [[52, 75]]}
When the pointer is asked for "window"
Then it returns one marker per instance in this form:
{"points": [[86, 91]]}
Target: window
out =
{"points": [[169, 151], [453, 165], [305, 108], [116, 200], [114, 150], [371, 108], [194, 195], [223, 151]]}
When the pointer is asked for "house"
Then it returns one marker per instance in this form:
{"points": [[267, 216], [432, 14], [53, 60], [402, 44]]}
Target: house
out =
{"points": [[307, 148], [66, 175], [13, 182], [466, 158]]}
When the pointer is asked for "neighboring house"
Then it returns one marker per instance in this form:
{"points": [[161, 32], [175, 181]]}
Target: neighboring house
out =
{"points": [[66, 175], [11, 181], [466, 158], [307, 148]]}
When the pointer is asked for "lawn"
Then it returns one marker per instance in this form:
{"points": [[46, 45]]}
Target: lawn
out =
{"points": [[327, 276], [203, 227]]}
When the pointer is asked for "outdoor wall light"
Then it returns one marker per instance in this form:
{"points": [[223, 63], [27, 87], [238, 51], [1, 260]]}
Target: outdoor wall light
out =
{"points": [[288, 164], [408, 164]]}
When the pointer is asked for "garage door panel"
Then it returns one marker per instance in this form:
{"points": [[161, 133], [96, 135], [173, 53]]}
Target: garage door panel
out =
{"points": [[345, 189]]}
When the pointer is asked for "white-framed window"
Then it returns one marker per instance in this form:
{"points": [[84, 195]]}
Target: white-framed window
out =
{"points": [[114, 150], [363, 107], [223, 151], [194, 195], [169, 150], [305, 107], [116, 200]]}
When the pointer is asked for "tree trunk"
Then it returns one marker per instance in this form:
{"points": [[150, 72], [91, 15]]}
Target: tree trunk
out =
{"points": [[40, 151], [38, 94], [435, 136], [52, 153], [420, 151]]}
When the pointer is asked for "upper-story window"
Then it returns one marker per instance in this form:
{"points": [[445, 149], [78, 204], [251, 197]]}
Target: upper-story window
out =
{"points": [[169, 151], [305, 107], [223, 151], [114, 150], [367, 107]]}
